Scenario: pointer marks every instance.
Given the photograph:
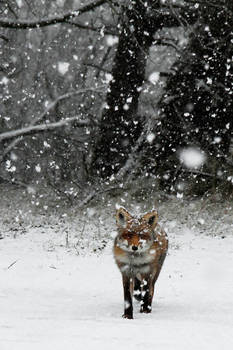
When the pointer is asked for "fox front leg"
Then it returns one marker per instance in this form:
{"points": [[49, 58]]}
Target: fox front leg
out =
{"points": [[128, 303], [147, 295], [137, 289]]}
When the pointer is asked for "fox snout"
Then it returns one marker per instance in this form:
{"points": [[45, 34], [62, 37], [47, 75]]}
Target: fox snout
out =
{"points": [[133, 242]]}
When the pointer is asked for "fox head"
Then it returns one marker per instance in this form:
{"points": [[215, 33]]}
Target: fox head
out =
{"points": [[135, 234]]}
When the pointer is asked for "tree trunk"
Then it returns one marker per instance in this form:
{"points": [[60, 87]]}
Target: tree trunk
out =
{"points": [[120, 126]]}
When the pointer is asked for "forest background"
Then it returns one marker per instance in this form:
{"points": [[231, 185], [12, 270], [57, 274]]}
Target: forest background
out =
{"points": [[104, 96]]}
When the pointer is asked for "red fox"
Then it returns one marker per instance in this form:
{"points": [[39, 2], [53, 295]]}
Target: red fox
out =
{"points": [[139, 251]]}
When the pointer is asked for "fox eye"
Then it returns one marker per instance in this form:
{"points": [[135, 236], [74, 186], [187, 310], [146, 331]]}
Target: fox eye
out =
{"points": [[144, 237], [128, 235]]}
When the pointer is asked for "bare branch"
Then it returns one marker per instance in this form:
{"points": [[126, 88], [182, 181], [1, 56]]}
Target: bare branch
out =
{"points": [[30, 130], [64, 97], [97, 67], [43, 115], [38, 23], [92, 28], [168, 42], [3, 37], [12, 264]]}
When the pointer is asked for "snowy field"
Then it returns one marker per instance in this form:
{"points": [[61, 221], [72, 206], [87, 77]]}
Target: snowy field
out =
{"points": [[54, 297]]}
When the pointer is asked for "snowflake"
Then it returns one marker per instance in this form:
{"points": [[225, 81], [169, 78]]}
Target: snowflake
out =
{"points": [[192, 157], [63, 67]]}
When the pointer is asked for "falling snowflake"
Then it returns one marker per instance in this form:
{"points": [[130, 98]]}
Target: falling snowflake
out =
{"points": [[154, 77], [63, 67], [38, 168], [46, 144], [150, 137], [19, 3], [9, 167], [4, 81], [111, 40], [108, 78], [192, 157]]}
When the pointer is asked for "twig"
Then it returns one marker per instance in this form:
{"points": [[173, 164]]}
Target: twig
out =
{"points": [[97, 67], [12, 264], [64, 97], [52, 267], [3, 37], [38, 23], [91, 28]]}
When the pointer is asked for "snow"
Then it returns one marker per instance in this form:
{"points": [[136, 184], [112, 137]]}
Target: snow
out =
{"points": [[9, 167], [52, 298], [63, 67], [111, 40], [19, 3], [4, 81], [154, 77], [192, 157], [108, 78], [38, 168], [150, 137]]}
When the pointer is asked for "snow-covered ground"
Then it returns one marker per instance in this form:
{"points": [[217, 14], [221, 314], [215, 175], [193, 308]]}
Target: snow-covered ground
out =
{"points": [[51, 297]]}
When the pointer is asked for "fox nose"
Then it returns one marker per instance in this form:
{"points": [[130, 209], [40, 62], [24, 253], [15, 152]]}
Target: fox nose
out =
{"points": [[134, 247]]}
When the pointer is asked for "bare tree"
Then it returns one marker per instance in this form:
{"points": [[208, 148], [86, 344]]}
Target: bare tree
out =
{"points": [[120, 126]]}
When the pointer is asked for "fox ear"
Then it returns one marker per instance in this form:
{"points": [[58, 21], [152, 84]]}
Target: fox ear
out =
{"points": [[151, 218], [123, 218]]}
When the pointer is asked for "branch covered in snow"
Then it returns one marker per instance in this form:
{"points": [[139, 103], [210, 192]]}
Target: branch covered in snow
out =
{"points": [[43, 115], [38, 23], [30, 130], [64, 97]]}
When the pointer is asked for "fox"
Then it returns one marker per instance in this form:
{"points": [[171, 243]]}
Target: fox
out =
{"points": [[139, 250]]}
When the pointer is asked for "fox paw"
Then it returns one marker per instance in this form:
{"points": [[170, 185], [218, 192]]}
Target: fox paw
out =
{"points": [[146, 310], [129, 317]]}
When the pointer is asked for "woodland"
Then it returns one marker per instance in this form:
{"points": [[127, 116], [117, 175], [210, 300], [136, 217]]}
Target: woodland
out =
{"points": [[106, 95]]}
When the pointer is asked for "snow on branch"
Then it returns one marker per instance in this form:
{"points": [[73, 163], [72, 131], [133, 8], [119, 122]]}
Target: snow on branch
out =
{"points": [[30, 130], [60, 98], [50, 106], [38, 23]]}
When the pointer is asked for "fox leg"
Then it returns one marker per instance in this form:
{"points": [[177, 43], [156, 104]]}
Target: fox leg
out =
{"points": [[137, 289], [147, 286], [128, 304]]}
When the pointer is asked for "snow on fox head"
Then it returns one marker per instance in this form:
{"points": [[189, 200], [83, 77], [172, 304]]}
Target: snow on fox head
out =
{"points": [[135, 235]]}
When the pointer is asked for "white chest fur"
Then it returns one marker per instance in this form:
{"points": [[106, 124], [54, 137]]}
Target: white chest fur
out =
{"points": [[135, 263]]}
